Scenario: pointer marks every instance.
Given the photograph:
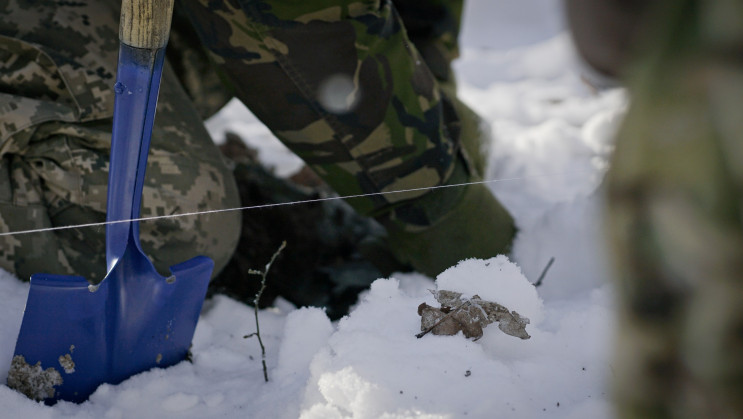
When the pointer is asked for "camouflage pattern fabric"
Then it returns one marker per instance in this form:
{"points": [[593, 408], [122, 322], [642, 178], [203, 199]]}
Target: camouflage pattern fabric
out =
{"points": [[57, 69], [433, 27], [675, 206], [343, 86]]}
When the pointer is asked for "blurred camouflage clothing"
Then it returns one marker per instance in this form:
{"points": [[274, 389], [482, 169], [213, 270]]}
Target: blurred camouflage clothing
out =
{"points": [[339, 82], [675, 194]]}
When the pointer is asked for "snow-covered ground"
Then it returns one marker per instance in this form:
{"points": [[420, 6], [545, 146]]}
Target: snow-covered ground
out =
{"points": [[552, 136]]}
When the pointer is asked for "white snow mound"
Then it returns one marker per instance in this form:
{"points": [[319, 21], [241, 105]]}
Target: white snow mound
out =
{"points": [[498, 280]]}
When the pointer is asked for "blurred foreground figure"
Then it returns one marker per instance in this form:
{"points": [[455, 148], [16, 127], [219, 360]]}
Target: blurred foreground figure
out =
{"points": [[675, 201]]}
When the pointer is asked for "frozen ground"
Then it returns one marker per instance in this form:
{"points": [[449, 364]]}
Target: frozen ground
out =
{"points": [[552, 139]]}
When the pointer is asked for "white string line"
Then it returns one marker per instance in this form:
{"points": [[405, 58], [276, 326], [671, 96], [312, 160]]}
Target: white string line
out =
{"points": [[277, 204]]}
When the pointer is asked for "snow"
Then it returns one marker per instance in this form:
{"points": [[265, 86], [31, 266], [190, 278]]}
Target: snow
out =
{"points": [[552, 135]]}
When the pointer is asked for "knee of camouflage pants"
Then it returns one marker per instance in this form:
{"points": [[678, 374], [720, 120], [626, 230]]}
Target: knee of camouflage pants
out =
{"points": [[55, 132], [675, 194], [343, 86]]}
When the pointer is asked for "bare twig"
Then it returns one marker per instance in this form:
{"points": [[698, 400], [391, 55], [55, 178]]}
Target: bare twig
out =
{"points": [[544, 272], [263, 274]]}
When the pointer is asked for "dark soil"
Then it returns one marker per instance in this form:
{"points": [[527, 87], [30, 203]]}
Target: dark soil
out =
{"points": [[321, 265]]}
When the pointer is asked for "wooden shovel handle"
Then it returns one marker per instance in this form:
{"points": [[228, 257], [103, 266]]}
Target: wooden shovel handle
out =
{"points": [[145, 23]]}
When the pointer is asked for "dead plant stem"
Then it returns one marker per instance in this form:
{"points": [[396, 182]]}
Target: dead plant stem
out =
{"points": [[263, 274]]}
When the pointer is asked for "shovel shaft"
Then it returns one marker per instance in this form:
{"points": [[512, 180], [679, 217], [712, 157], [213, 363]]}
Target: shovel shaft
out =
{"points": [[137, 86], [143, 32]]}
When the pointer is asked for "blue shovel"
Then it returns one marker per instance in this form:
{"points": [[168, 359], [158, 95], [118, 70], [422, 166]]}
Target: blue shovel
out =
{"points": [[75, 336]]}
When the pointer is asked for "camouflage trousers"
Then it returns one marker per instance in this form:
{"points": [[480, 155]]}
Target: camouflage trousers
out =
{"points": [[363, 95], [676, 219], [343, 85]]}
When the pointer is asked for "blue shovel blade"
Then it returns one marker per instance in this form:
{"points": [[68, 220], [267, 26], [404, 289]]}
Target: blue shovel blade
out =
{"points": [[136, 320]]}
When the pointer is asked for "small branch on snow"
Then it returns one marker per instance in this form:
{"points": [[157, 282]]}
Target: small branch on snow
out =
{"points": [[544, 272], [263, 274]]}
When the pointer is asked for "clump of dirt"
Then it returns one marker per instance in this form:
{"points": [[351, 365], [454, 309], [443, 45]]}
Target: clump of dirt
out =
{"points": [[32, 380], [67, 363]]}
